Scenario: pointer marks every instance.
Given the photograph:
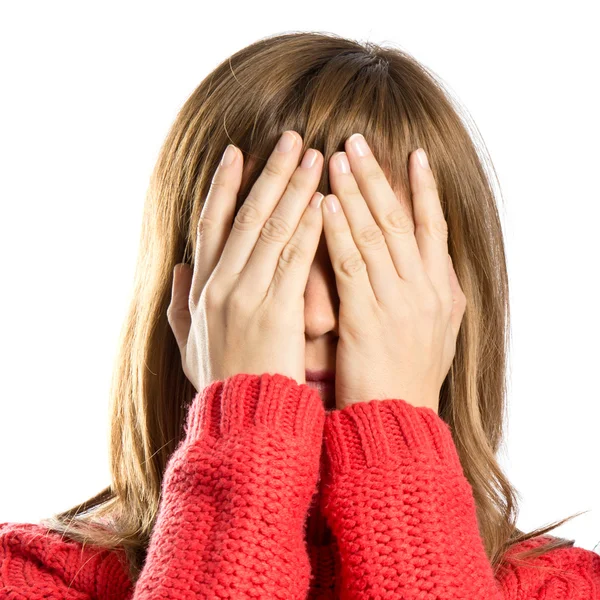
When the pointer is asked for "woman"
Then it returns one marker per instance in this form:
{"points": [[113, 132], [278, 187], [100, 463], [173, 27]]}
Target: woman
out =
{"points": [[233, 474]]}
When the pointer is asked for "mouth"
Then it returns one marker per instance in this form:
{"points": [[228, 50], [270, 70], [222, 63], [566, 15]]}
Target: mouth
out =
{"points": [[325, 386], [319, 375]]}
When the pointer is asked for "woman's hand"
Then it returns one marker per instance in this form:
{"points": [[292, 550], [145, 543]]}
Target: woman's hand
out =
{"points": [[242, 308], [401, 305]]}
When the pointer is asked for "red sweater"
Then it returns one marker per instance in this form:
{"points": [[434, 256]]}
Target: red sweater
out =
{"points": [[242, 514]]}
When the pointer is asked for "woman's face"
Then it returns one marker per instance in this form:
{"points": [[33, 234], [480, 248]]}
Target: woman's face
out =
{"points": [[321, 306]]}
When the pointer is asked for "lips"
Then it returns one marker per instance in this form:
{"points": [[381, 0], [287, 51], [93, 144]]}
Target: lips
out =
{"points": [[320, 375], [326, 389]]}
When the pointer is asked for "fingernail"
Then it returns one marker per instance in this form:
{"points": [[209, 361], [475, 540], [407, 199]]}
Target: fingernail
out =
{"points": [[316, 200], [422, 157], [341, 162], [309, 159], [332, 203], [228, 155], [286, 142], [358, 142]]}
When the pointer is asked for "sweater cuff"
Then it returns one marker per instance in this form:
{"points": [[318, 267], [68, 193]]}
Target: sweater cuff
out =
{"points": [[383, 432], [268, 401]]}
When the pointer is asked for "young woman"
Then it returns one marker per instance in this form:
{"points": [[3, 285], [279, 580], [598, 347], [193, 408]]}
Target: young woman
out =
{"points": [[313, 407]]}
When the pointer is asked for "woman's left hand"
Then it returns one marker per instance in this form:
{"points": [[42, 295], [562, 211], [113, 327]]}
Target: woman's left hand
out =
{"points": [[401, 305]]}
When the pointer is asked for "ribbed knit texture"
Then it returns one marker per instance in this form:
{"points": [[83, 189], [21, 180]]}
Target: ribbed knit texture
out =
{"points": [[270, 496]]}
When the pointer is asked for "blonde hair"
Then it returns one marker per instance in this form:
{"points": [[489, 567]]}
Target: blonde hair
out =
{"points": [[325, 87]]}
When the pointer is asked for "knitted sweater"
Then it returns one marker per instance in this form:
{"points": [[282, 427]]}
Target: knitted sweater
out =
{"points": [[271, 496]]}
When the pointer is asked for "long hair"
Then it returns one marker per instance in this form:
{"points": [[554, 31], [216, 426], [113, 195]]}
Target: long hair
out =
{"points": [[325, 87]]}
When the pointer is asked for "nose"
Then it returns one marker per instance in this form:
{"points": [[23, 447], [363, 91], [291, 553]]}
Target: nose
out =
{"points": [[321, 304]]}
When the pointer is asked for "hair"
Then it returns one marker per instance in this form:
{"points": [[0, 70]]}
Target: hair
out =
{"points": [[325, 87]]}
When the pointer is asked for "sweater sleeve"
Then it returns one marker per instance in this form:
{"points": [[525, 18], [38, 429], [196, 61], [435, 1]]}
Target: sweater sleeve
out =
{"points": [[404, 516], [235, 496]]}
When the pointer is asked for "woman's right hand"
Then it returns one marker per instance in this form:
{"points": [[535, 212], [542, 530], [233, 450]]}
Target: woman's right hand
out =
{"points": [[241, 310]]}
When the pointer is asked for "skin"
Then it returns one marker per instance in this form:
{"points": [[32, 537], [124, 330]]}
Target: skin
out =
{"points": [[401, 305], [365, 195], [321, 304], [321, 301], [382, 305]]}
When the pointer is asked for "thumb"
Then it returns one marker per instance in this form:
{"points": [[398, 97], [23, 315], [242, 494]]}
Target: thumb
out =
{"points": [[459, 300], [178, 313]]}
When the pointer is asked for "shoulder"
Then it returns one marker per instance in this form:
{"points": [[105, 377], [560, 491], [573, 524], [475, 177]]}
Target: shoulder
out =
{"points": [[33, 539], [570, 572], [34, 558], [27, 537]]}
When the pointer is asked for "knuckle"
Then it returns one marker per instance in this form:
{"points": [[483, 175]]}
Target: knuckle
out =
{"points": [[292, 254], [275, 230], [353, 192], [370, 236], [248, 216], [351, 263], [200, 227], [438, 229], [398, 222], [427, 186], [205, 223], [272, 169], [435, 229], [237, 302], [296, 186], [373, 176], [217, 184], [211, 297]]}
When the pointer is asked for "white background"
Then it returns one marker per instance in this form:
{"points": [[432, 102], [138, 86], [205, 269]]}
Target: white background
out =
{"points": [[89, 91]]}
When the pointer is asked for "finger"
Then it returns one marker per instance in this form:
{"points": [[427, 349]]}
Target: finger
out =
{"points": [[294, 263], [276, 244], [459, 300], [215, 220], [367, 235], [431, 229], [351, 276], [178, 313], [390, 214], [260, 203]]}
